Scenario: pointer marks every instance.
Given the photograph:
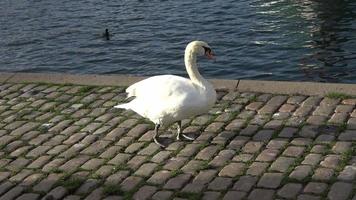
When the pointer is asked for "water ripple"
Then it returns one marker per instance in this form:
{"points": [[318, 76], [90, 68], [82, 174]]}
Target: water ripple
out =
{"points": [[253, 39]]}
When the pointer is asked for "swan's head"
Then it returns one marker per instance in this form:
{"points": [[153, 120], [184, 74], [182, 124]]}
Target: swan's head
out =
{"points": [[200, 48]]}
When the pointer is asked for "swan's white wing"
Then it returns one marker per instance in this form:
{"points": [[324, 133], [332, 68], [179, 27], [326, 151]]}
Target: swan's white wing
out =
{"points": [[159, 86], [165, 96]]}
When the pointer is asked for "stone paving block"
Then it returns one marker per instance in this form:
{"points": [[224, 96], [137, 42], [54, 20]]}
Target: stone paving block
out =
{"points": [[189, 150], [211, 195], [221, 159], [323, 174], [293, 151], [348, 173], [144, 192], [146, 169], [130, 183], [117, 178], [340, 191], [233, 170], [301, 172], [290, 190], [270, 180], [13, 193], [315, 187], [245, 183], [234, 195], [267, 155], [175, 163], [177, 182], [257, 168], [57, 193], [282, 164], [220, 183], [261, 194], [159, 177], [308, 197], [252, 147], [28, 196], [46, 184]]}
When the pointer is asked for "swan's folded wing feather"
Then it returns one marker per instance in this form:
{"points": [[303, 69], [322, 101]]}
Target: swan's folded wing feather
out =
{"points": [[159, 86]]}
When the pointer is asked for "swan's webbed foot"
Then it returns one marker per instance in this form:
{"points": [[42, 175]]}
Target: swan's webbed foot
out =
{"points": [[183, 136], [155, 137], [180, 135]]}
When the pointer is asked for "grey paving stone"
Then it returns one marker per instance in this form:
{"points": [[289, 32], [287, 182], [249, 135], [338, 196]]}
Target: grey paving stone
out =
{"points": [[257, 168], [267, 155], [207, 153], [211, 195], [252, 147], [290, 190], [162, 195], [301, 172], [117, 178], [177, 182], [261, 194], [308, 197], [348, 173], [220, 183], [234, 195], [146, 169], [13, 193], [159, 177], [282, 164], [245, 183], [315, 187], [233, 170], [323, 174], [28, 196], [130, 183], [340, 191], [144, 192], [270, 180]]}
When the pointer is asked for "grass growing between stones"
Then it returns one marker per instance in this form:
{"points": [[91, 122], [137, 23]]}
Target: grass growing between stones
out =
{"points": [[337, 95], [71, 184], [112, 189], [190, 195]]}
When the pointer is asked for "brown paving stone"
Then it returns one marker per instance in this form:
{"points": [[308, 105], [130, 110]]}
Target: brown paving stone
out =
{"points": [[257, 168], [232, 170]]}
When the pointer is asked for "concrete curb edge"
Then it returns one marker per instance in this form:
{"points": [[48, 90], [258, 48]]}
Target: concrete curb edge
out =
{"points": [[276, 87]]}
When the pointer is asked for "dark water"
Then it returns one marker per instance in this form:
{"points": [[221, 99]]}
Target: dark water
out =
{"points": [[300, 40]]}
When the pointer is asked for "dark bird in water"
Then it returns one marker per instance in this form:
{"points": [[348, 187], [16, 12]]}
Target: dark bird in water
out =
{"points": [[107, 34]]}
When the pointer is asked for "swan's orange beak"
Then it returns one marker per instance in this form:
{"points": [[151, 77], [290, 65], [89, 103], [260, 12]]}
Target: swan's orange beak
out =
{"points": [[209, 55]]}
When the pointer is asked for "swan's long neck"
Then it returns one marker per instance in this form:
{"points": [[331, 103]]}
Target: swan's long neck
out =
{"points": [[190, 60]]}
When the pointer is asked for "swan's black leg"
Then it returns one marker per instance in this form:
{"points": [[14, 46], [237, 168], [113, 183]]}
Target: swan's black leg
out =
{"points": [[155, 136], [180, 135]]}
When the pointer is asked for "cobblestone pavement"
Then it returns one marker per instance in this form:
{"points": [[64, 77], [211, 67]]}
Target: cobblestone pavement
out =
{"points": [[67, 142]]}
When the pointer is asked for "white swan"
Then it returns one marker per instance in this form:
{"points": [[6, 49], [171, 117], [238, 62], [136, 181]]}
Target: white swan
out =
{"points": [[167, 99]]}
